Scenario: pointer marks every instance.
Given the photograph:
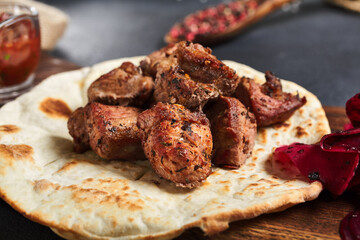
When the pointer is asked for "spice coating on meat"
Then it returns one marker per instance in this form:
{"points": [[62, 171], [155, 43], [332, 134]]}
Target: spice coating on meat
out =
{"points": [[204, 67], [150, 64], [77, 129], [191, 76], [123, 86], [177, 142], [234, 132], [112, 131], [173, 85], [268, 102]]}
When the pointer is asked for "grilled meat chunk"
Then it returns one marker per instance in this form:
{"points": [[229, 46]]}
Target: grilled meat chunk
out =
{"points": [[267, 101], [110, 131], [173, 85], [123, 86], [150, 64], [113, 133], [77, 129], [204, 67], [177, 142], [191, 76], [234, 132]]}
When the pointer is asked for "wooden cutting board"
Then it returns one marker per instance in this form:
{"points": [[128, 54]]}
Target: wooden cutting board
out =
{"points": [[318, 219]]}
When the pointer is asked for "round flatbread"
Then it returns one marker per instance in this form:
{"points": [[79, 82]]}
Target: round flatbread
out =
{"points": [[80, 196]]}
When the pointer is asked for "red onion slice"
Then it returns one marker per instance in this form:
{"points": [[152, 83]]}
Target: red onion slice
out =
{"points": [[344, 141], [348, 126], [350, 226], [333, 169], [353, 110]]}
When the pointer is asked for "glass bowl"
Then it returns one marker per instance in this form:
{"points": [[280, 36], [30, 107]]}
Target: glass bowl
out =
{"points": [[19, 49]]}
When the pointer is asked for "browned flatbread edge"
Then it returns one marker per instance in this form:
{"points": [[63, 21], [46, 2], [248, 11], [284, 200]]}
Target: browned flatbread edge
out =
{"points": [[210, 224]]}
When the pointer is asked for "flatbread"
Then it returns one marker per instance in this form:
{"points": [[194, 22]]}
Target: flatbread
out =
{"points": [[80, 196]]}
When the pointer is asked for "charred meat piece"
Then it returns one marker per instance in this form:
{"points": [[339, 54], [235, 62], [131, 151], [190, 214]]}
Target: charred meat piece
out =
{"points": [[77, 129], [150, 63], [204, 67], [173, 85], [268, 102], [191, 76], [234, 131], [110, 131], [177, 142], [113, 133], [123, 86]]}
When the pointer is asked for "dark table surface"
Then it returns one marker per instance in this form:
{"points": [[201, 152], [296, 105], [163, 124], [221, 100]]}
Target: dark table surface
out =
{"points": [[317, 46]]}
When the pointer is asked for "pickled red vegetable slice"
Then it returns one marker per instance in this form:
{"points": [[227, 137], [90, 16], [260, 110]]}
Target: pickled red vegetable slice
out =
{"points": [[354, 184], [350, 226], [348, 126], [344, 141], [333, 169], [353, 110], [344, 228]]}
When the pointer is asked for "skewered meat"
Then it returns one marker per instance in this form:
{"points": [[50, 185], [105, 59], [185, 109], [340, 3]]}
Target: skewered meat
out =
{"points": [[110, 131], [234, 131], [77, 129], [268, 102], [150, 63], [191, 76], [177, 142], [123, 86]]}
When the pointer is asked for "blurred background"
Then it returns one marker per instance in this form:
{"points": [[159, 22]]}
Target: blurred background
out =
{"points": [[312, 43]]}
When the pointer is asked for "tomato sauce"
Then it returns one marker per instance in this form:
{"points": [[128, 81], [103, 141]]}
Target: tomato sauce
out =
{"points": [[19, 50]]}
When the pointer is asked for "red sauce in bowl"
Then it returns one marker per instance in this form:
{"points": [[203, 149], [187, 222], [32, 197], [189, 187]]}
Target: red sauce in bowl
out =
{"points": [[19, 49]]}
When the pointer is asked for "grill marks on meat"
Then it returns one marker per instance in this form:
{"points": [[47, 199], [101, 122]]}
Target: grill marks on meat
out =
{"points": [[177, 142], [268, 102], [110, 131], [123, 86], [234, 132]]}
